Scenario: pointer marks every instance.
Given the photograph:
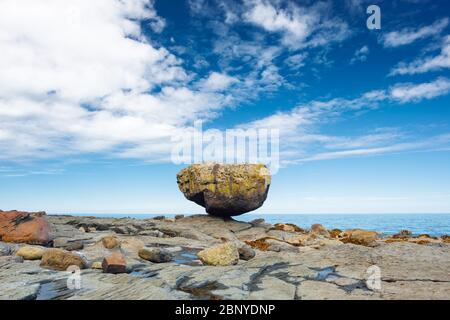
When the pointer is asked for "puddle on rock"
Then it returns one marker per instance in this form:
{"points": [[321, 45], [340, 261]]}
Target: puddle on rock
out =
{"points": [[187, 257], [323, 274]]}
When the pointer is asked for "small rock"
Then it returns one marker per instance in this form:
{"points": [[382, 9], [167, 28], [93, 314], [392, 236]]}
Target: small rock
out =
{"points": [[96, 265], [5, 250], [445, 238], [257, 221], [82, 229], [246, 252], [114, 263], [221, 255], [60, 259], [30, 253], [319, 229], [335, 233], [179, 216], [159, 218], [402, 234], [110, 242], [359, 236], [92, 229], [289, 227], [68, 244], [156, 255]]}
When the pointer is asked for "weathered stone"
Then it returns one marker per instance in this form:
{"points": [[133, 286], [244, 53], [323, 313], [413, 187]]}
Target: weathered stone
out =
{"points": [[30, 252], [60, 259], [225, 189], [179, 216], [114, 263], [334, 233], [221, 255], [96, 265], [402, 234], [5, 249], [24, 227], [288, 227], [156, 255], [319, 229], [245, 251], [68, 244], [110, 242], [359, 236]]}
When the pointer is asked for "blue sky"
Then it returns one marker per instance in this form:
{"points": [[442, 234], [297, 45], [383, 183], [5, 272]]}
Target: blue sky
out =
{"points": [[91, 94]]}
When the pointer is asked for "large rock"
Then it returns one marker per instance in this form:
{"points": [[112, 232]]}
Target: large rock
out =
{"points": [[24, 227], [359, 236], [30, 253], [60, 259], [225, 254], [110, 242], [225, 189], [155, 255]]}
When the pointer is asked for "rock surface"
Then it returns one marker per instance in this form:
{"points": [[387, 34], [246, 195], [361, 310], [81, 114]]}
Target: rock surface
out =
{"points": [[287, 264], [225, 189], [24, 227]]}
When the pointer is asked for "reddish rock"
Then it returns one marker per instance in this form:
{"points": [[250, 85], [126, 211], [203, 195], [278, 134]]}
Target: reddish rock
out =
{"points": [[114, 263], [24, 227]]}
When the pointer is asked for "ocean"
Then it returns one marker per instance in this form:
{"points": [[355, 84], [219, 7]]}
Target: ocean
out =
{"points": [[432, 224]]}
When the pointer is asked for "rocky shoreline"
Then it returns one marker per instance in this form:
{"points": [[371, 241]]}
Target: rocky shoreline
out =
{"points": [[207, 257]]}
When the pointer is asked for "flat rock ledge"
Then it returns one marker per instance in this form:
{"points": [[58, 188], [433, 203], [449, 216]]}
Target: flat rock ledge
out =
{"points": [[286, 262]]}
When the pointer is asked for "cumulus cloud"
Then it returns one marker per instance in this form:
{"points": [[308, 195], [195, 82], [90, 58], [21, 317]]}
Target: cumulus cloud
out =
{"points": [[299, 26], [416, 92], [427, 64], [218, 81], [360, 55], [410, 35], [80, 76]]}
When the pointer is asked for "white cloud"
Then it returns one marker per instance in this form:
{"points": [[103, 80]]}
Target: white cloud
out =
{"points": [[438, 62], [218, 81], [299, 26], [415, 92], [410, 35], [302, 140], [360, 55], [80, 76]]}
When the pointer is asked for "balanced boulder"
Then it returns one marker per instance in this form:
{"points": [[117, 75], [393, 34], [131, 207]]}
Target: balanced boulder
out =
{"points": [[225, 189], [24, 227]]}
